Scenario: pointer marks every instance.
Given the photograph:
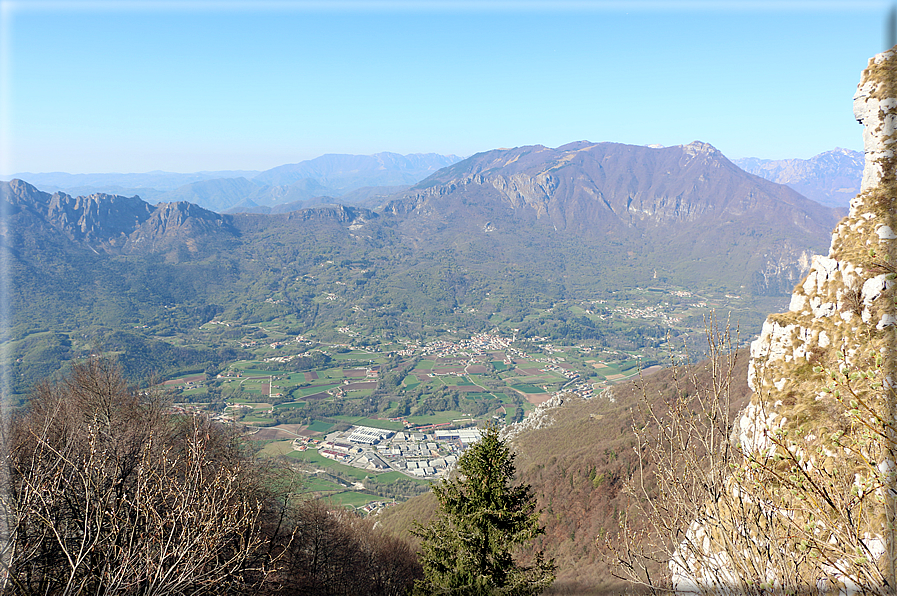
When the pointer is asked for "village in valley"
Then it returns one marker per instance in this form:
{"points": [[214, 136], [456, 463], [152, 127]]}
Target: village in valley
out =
{"points": [[356, 409]]}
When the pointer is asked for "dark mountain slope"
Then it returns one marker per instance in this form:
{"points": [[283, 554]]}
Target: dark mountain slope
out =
{"points": [[181, 229], [90, 263]]}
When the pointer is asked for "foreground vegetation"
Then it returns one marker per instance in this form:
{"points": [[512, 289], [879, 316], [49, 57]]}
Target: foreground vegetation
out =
{"points": [[109, 493], [112, 493], [579, 469]]}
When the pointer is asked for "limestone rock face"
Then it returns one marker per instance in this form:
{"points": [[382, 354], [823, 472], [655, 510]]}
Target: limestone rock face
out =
{"points": [[822, 388], [845, 303], [875, 106]]}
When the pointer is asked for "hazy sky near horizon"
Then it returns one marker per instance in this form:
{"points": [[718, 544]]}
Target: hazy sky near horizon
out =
{"points": [[186, 86]]}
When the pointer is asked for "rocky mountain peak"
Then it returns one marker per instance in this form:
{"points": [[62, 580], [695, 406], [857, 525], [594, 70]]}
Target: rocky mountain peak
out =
{"points": [[95, 219], [113, 223], [700, 148], [180, 227]]}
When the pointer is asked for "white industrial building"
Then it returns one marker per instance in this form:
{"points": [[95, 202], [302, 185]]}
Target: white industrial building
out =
{"points": [[464, 435], [369, 436]]}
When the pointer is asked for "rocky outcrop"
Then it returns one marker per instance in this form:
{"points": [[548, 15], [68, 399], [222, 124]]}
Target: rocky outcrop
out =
{"points": [[97, 220], [111, 223], [817, 438], [543, 415], [843, 303], [875, 106], [182, 228]]}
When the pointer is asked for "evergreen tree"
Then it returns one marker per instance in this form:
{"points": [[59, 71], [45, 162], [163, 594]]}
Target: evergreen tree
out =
{"points": [[468, 549]]}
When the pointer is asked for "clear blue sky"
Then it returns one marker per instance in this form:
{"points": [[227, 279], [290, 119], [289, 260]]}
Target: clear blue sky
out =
{"points": [[188, 86]]}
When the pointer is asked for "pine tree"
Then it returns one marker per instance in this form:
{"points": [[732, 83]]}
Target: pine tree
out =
{"points": [[468, 549]]}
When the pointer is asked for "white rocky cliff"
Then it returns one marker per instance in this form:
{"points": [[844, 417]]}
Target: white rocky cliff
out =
{"points": [[808, 508]]}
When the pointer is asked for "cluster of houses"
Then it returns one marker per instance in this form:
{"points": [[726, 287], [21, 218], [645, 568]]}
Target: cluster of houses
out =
{"points": [[478, 345]]}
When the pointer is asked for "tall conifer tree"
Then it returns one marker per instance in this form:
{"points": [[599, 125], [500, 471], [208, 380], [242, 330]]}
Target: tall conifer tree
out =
{"points": [[468, 549]]}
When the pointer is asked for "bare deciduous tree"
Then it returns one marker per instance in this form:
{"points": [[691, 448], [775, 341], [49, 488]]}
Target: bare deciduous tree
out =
{"points": [[110, 494], [337, 553]]}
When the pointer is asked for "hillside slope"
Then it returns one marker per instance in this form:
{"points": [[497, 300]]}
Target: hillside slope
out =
{"points": [[578, 466]]}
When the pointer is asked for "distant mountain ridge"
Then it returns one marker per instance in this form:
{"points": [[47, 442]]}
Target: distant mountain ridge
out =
{"points": [[157, 180], [333, 175], [604, 198], [831, 178], [341, 171]]}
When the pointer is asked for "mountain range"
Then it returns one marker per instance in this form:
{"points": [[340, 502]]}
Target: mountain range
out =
{"points": [[602, 195], [299, 184], [482, 241], [831, 178]]}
